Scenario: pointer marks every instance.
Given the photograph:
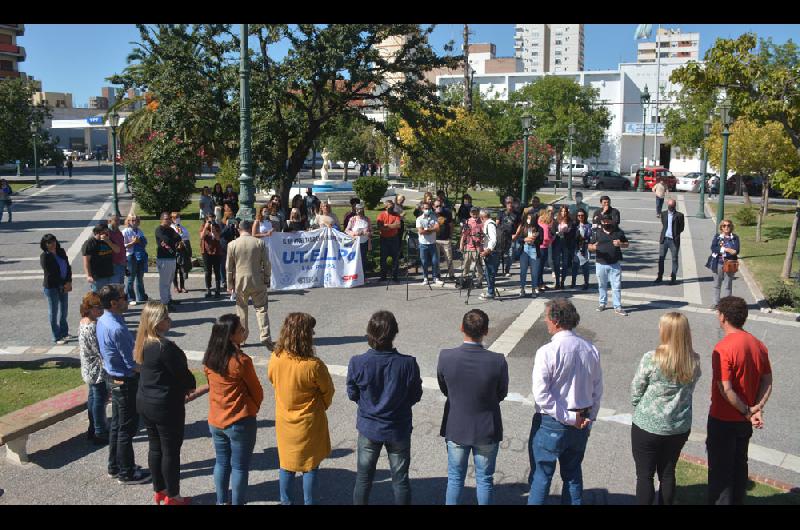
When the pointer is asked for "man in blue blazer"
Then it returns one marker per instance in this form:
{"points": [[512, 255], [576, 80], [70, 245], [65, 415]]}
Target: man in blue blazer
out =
{"points": [[475, 381]]}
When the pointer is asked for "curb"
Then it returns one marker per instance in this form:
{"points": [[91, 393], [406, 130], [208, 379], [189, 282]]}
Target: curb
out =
{"points": [[783, 486]]}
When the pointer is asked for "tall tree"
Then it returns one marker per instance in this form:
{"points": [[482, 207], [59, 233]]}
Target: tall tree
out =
{"points": [[555, 102], [763, 84], [756, 150], [333, 71], [790, 187], [16, 115], [345, 138]]}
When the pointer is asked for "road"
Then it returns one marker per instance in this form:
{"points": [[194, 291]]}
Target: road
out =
{"points": [[428, 322]]}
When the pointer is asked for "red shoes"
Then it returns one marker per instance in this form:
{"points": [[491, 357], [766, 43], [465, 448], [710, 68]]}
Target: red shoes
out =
{"points": [[182, 502], [160, 496]]}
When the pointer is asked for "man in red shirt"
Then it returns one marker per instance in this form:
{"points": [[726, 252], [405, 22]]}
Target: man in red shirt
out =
{"points": [[389, 224], [741, 385]]}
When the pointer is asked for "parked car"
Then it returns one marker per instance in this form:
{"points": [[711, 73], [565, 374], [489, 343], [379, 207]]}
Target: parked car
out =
{"points": [[606, 179], [690, 182], [317, 162], [352, 164], [578, 169], [651, 173]]}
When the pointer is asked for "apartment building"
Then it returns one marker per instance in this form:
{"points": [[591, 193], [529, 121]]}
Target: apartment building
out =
{"points": [[546, 48], [674, 47], [54, 100], [11, 54]]}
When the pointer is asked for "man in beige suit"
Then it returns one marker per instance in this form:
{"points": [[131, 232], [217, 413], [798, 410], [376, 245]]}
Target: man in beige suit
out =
{"points": [[247, 276]]}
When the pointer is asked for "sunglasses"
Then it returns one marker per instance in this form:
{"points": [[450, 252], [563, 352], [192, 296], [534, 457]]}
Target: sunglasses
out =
{"points": [[725, 224]]}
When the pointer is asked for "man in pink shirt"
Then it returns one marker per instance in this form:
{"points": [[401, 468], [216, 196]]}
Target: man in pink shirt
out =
{"points": [[567, 387]]}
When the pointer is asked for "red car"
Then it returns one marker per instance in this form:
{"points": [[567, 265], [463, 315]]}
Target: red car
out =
{"points": [[650, 175]]}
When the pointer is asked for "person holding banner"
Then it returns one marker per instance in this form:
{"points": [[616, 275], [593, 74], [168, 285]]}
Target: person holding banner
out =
{"points": [[359, 226], [263, 229], [247, 278]]}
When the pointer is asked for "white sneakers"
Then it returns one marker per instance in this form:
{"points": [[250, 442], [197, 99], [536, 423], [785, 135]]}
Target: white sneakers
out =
{"points": [[438, 282]]}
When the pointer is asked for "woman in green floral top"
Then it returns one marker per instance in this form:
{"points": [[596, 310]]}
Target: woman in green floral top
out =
{"points": [[661, 394]]}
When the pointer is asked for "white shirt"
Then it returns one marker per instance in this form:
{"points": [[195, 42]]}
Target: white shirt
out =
{"points": [[426, 222], [490, 231], [181, 230], [357, 223], [567, 375]]}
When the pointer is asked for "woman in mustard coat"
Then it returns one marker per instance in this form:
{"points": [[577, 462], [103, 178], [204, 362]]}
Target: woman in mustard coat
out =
{"points": [[303, 392]]}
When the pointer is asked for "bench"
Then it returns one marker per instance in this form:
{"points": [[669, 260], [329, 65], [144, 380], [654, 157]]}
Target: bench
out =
{"points": [[16, 426]]}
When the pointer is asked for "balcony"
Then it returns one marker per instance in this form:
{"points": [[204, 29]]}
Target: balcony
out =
{"points": [[12, 49], [7, 74], [19, 29]]}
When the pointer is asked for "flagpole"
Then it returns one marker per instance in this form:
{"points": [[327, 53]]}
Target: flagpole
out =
{"points": [[656, 153]]}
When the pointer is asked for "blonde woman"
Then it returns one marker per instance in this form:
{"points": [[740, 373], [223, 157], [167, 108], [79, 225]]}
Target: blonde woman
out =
{"points": [[165, 381], [135, 251], [545, 222], [325, 217], [303, 392], [661, 395], [724, 259]]}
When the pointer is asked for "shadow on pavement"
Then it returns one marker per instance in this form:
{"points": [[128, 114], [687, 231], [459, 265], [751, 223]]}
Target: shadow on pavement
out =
{"points": [[337, 341]]}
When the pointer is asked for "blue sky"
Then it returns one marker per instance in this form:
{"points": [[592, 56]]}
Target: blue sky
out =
{"points": [[77, 58]]}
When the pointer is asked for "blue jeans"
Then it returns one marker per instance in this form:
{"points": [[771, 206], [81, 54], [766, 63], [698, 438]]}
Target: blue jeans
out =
{"points": [[554, 441], [584, 269], [399, 460], [5, 205], [119, 274], [286, 485], [124, 425], [562, 258], [543, 253], [99, 283], [98, 395], [529, 259], [659, 205], [612, 273], [57, 303], [234, 448], [508, 256], [429, 256], [484, 457], [491, 263], [136, 268]]}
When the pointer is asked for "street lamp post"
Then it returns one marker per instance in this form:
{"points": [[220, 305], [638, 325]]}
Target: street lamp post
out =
{"points": [[113, 120], [701, 214], [727, 120], [571, 137], [246, 191], [34, 131], [645, 99], [526, 131]]}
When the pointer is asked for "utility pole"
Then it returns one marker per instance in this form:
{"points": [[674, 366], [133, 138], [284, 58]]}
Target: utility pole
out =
{"points": [[467, 79]]}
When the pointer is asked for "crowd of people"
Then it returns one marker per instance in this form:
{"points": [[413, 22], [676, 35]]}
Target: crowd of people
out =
{"points": [[148, 376]]}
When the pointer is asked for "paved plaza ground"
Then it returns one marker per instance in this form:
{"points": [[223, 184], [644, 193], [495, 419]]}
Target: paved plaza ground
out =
{"points": [[66, 469]]}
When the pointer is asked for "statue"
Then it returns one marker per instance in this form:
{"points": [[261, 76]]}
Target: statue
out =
{"points": [[325, 163]]}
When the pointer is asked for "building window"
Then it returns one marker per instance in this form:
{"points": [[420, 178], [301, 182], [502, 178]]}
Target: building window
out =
{"points": [[558, 42], [534, 53], [558, 61], [558, 52]]}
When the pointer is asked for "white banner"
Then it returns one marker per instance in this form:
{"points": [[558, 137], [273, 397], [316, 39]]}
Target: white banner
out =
{"points": [[316, 258]]}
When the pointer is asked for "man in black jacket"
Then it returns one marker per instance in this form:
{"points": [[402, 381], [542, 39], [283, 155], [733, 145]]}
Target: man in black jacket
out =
{"points": [[671, 227], [475, 381], [605, 208]]}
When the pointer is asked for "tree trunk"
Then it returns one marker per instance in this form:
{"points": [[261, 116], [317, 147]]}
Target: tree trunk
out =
{"points": [[345, 170], [762, 211], [787, 261]]}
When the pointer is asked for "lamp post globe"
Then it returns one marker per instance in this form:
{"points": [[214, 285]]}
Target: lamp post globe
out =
{"points": [[34, 132], [727, 120], [526, 128], [645, 99], [113, 121], [571, 130]]}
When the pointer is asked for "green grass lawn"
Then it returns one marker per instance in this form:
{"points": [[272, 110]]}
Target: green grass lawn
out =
{"points": [[17, 187], [692, 482], [25, 383], [765, 259]]}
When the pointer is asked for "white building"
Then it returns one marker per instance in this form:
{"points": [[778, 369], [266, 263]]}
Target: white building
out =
{"points": [[620, 92], [549, 47], [673, 46]]}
